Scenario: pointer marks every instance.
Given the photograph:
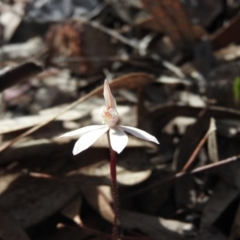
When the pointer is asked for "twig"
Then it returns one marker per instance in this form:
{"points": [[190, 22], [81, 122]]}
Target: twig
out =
{"points": [[110, 32], [183, 173], [197, 149]]}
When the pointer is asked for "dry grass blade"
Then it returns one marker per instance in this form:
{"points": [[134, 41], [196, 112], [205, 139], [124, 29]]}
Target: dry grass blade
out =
{"points": [[127, 81], [132, 80]]}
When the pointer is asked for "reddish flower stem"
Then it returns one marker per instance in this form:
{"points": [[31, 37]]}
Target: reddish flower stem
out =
{"points": [[113, 173], [113, 159]]}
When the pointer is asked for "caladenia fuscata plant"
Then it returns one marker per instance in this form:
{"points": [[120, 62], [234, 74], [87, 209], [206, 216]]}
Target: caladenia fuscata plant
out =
{"points": [[117, 139]]}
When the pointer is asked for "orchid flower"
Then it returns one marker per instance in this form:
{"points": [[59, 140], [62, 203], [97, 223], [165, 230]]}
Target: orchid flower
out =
{"points": [[109, 115]]}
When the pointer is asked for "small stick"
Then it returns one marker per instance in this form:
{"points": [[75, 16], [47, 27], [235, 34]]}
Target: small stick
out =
{"points": [[211, 129], [183, 173]]}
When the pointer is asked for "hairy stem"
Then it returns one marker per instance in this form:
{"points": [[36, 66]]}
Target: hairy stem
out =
{"points": [[113, 173]]}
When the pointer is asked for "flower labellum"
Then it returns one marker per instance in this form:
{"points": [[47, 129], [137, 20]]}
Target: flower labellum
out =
{"points": [[109, 115]]}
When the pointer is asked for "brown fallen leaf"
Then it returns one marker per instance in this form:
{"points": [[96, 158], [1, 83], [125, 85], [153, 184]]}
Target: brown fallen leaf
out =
{"points": [[99, 201], [37, 199], [10, 230], [173, 20], [72, 210], [124, 176], [155, 227], [6, 180], [12, 15], [226, 35], [19, 74], [148, 22], [131, 80]]}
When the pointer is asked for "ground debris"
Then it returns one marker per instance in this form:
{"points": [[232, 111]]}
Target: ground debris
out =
{"points": [[173, 67]]}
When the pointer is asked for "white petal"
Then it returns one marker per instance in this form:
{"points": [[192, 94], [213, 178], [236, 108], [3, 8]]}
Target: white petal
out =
{"points": [[139, 133], [118, 139], [88, 139], [109, 99], [82, 130]]}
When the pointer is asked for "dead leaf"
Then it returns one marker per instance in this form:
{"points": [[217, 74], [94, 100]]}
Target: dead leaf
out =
{"points": [[10, 230], [226, 35], [99, 201], [157, 228], [211, 233], [131, 80], [173, 20], [82, 179], [124, 176], [37, 198], [218, 202], [11, 18], [212, 143], [28, 148], [19, 74], [148, 22], [6, 180], [23, 50], [72, 210]]}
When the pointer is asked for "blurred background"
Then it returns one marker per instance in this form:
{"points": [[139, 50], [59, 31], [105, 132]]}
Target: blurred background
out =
{"points": [[174, 69]]}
